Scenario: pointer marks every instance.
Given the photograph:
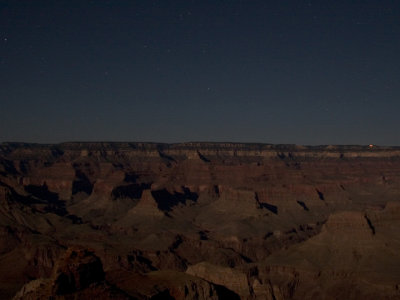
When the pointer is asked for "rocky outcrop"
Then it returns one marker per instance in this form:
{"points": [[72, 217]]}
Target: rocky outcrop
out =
{"points": [[78, 274], [228, 277], [169, 285]]}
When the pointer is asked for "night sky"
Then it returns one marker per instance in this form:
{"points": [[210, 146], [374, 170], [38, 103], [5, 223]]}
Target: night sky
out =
{"points": [[298, 72]]}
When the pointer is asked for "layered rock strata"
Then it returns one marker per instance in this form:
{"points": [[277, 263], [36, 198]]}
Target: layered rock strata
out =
{"points": [[199, 221]]}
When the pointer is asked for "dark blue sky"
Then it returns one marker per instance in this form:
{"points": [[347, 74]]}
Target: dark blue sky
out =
{"points": [[305, 72]]}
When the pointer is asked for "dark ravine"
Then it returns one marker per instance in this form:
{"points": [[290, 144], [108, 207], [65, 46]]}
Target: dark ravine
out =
{"points": [[199, 221]]}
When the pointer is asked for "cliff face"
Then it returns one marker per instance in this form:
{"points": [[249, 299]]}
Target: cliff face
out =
{"points": [[240, 220]]}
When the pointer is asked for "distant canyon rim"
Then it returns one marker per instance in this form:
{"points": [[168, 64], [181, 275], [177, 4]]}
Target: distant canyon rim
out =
{"points": [[199, 221]]}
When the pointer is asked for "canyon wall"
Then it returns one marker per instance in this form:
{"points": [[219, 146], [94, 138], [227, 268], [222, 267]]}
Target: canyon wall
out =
{"points": [[200, 220]]}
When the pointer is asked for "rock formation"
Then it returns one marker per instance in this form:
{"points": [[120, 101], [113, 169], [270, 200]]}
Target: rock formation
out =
{"points": [[199, 221]]}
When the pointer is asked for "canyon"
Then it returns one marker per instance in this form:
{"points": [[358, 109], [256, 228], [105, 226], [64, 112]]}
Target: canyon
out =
{"points": [[199, 221]]}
